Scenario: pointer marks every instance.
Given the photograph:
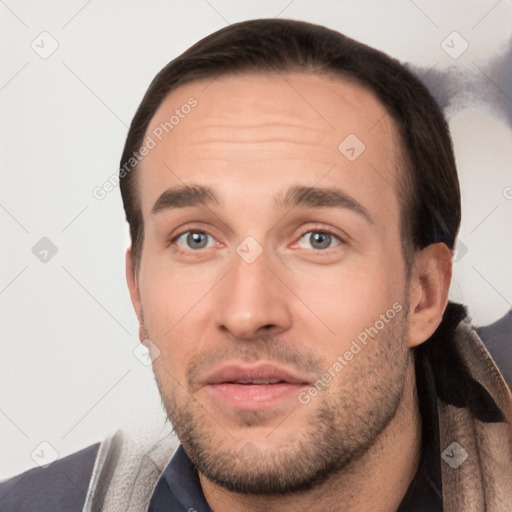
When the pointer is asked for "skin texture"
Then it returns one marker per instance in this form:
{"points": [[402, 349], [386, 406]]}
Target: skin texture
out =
{"points": [[355, 444]]}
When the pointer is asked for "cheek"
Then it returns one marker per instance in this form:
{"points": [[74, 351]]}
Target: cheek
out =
{"points": [[169, 294], [175, 315], [346, 300]]}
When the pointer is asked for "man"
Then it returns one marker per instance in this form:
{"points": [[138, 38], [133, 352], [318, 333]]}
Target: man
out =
{"points": [[293, 204]]}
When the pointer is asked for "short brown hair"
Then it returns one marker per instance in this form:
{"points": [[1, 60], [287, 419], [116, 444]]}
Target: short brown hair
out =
{"points": [[428, 185]]}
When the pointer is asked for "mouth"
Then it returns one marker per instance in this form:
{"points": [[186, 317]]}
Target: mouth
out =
{"points": [[254, 387]]}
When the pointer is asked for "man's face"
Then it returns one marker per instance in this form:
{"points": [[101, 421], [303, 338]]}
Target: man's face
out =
{"points": [[254, 290]]}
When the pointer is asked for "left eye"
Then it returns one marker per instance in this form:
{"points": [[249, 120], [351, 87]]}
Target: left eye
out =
{"points": [[318, 240], [195, 240]]}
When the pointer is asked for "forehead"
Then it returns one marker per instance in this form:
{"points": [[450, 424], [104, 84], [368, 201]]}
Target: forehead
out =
{"points": [[253, 130]]}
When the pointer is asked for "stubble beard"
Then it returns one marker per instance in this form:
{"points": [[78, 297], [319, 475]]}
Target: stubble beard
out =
{"points": [[341, 428]]}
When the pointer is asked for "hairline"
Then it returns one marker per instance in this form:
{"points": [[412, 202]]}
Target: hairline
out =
{"points": [[403, 186]]}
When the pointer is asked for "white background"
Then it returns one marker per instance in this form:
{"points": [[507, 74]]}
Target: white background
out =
{"points": [[68, 376]]}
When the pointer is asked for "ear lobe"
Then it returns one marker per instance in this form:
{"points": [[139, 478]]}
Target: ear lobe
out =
{"points": [[428, 291]]}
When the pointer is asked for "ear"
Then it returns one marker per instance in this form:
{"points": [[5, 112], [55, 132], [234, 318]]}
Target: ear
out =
{"points": [[133, 286], [428, 292]]}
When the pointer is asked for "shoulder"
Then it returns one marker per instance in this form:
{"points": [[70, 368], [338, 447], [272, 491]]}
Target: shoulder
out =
{"points": [[62, 486], [497, 338]]}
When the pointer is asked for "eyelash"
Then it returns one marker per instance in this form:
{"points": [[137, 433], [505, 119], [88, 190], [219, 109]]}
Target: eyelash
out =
{"points": [[172, 240], [323, 231]]}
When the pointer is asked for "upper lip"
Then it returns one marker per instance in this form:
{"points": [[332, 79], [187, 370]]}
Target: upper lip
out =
{"points": [[246, 374]]}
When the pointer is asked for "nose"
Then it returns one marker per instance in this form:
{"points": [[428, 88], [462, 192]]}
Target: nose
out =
{"points": [[253, 300]]}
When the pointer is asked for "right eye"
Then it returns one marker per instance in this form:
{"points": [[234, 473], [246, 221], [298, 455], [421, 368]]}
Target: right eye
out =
{"points": [[194, 240]]}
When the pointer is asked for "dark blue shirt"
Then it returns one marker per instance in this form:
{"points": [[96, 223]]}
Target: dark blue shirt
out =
{"points": [[179, 489]]}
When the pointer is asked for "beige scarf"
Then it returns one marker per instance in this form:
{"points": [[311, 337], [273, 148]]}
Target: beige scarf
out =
{"points": [[475, 432], [475, 411]]}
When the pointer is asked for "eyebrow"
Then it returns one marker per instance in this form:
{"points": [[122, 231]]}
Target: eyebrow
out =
{"points": [[296, 196], [184, 196], [319, 197]]}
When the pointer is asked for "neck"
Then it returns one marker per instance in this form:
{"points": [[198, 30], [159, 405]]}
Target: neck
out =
{"points": [[375, 482]]}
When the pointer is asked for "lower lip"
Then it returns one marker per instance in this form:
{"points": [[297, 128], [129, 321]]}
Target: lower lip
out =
{"points": [[253, 396]]}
